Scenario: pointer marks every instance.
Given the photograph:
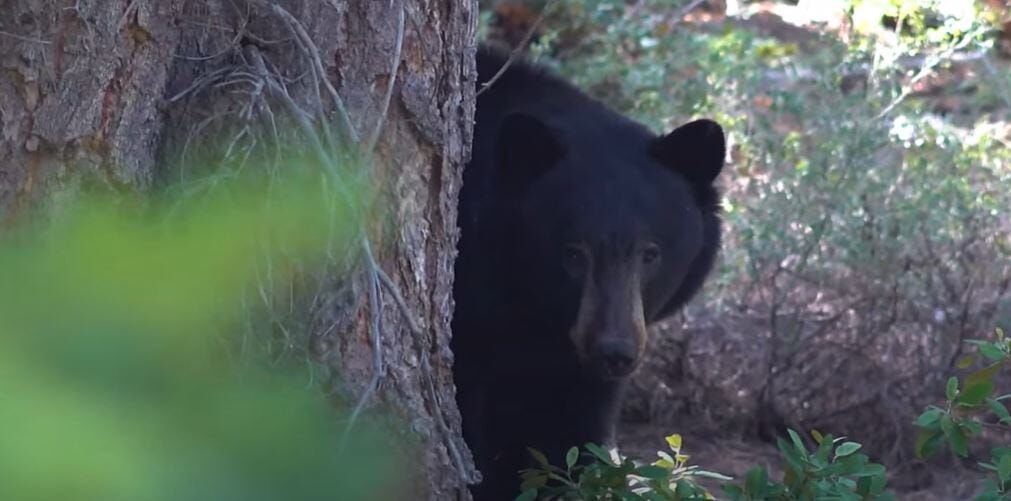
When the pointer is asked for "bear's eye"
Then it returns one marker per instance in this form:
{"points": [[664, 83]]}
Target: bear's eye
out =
{"points": [[651, 254], [574, 259]]}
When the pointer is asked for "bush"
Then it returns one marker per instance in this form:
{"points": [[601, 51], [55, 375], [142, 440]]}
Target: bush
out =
{"points": [[834, 470], [113, 378]]}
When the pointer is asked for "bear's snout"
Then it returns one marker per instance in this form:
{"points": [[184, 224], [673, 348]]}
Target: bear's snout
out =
{"points": [[610, 330], [614, 357]]}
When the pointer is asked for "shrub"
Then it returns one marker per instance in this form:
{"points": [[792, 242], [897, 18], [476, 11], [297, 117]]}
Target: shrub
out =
{"points": [[833, 470]]}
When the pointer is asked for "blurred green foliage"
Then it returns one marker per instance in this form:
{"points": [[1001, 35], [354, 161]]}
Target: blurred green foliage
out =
{"points": [[115, 376]]}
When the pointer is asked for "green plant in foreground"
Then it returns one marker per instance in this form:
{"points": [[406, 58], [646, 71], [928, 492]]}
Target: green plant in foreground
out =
{"points": [[967, 400], [834, 470], [604, 476], [113, 385]]}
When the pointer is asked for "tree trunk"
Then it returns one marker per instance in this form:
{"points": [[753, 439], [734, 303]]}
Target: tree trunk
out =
{"points": [[114, 89]]}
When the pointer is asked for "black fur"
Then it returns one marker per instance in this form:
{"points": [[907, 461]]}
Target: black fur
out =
{"points": [[551, 166]]}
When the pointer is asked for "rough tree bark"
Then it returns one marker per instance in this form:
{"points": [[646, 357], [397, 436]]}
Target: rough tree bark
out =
{"points": [[113, 88]]}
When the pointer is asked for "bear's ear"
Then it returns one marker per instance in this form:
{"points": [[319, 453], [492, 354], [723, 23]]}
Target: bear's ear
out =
{"points": [[696, 150], [526, 148]]}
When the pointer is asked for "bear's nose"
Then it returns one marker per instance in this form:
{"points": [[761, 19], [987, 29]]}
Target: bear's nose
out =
{"points": [[616, 357]]}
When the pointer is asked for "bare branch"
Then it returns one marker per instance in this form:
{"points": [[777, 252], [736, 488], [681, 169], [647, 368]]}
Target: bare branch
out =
{"points": [[931, 62], [516, 51]]}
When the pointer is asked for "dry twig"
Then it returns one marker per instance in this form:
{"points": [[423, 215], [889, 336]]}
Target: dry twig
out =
{"points": [[516, 51]]}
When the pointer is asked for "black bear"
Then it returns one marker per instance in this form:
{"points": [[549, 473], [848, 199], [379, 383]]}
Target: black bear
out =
{"points": [[579, 227]]}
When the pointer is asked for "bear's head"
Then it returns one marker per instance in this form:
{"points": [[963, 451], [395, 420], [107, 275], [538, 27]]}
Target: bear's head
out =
{"points": [[613, 228]]}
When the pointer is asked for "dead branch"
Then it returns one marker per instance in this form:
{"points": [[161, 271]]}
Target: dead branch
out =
{"points": [[517, 50]]}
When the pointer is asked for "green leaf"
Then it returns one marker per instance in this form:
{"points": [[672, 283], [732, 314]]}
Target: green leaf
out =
{"points": [[652, 472], [864, 486], [600, 453], [797, 442], [823, 450], [539, 457], [756, 480], [955, 437], [986, 374], [851, 465], [527, 495], [674, 442], [975, 394], [558, 478], [886, 496], [988, 495], [1004, 468], [790, 454], [653, 496], [951, 390], [534, 482], [991, 351], [1000, 411], [991, 491], [571, 457], [871, 470], [877, 483], [972, 428], [733, 492], [665, 461], [846, 449], [927, 442], [965, 362], [929, 418], [817, 436], [841, 489]]}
